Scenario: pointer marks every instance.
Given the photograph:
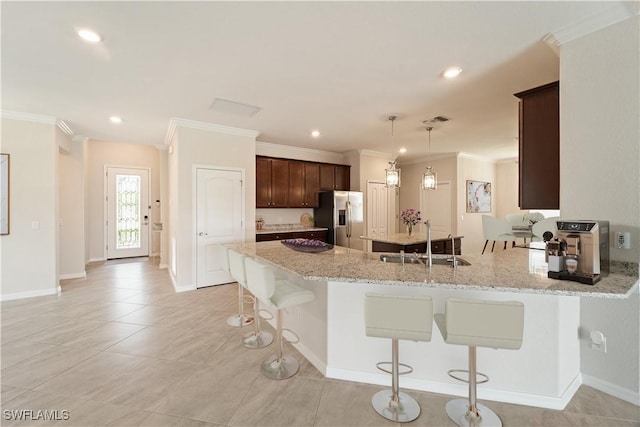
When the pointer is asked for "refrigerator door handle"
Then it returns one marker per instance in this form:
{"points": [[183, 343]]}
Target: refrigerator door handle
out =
{"points": [[348, 219]]}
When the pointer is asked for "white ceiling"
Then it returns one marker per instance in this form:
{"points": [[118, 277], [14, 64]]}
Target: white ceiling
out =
{"points": [[340, 67]]}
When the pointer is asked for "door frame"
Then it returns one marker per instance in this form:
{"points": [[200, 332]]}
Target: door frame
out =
{"points": [[105, 211], [194, 211]]}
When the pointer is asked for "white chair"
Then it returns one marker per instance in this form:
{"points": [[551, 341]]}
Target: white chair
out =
{"points": [[475, 323], [497, 230], [547, 224], [517, 221], [240, 319], [280, 294], [257, 338], [397, 317]]}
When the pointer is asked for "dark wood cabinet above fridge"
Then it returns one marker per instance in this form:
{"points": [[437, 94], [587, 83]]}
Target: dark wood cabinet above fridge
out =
{"points": [[539, 147]]}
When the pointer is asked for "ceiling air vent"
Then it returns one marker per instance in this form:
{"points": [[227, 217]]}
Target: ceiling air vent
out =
{"points": [[234, 108], [437, 119]]}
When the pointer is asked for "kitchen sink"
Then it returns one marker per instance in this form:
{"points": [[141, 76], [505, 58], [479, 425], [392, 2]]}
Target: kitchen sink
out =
{"points": [[414, 258]]}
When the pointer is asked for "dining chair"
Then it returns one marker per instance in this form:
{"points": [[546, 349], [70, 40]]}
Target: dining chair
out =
{"points": [[547, 224], [496, 230]]}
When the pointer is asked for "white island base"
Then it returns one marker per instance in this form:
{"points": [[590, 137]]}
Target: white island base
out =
{"points": [[545, 372]]}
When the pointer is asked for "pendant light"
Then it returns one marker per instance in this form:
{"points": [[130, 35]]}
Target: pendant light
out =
{"points": [[392, 175], [429, 178]]}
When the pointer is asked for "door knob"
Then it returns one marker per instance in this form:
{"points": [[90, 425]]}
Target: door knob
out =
{"points": [[202, 233]]}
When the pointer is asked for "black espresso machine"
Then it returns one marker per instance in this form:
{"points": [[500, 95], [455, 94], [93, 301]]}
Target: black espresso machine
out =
{"points": [[579, 252]]}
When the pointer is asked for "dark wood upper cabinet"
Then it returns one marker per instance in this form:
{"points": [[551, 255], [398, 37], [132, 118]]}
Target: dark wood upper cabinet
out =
{"points": [[272, 183], [335, 177], [539, 147], [303, 184], [285, 183]]}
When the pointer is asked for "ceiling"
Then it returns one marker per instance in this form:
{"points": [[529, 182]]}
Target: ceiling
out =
{"points": [[339, 67]]}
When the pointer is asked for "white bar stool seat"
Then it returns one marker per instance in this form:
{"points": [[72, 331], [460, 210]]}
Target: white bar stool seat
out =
{"points": [[476, 323], [280, 294], [240, 319], [257, 338], [397, 317]]}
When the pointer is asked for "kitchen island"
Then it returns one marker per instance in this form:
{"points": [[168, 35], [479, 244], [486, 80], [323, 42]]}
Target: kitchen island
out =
{"points": [[441, 243], [545, 372]]}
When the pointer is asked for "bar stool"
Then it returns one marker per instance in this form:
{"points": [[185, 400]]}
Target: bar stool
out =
{"points": [[397, 317], [257, 338], [474, 323], [240, 319], [280, 294]]}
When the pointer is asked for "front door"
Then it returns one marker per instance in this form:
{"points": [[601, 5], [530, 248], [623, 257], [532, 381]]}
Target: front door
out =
{"points": [[127, 212], [219, 219]]}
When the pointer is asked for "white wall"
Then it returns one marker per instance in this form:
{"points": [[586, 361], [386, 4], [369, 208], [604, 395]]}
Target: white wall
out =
{"points": [[101, 154], [71, 244], [600, 179], [197, 146], [298, 153], [470, 224], [506, 188], [446, 169], [31, 142]]}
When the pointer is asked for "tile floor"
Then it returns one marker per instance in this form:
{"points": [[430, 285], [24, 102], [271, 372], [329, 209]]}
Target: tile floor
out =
{"points": [[121, 348]]}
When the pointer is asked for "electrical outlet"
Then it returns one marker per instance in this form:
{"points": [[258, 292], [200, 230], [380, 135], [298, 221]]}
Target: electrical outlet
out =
{"points": [[623, 240], [598, 341]]}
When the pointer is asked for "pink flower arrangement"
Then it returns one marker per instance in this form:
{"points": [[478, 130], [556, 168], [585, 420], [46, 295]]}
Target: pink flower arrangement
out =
{"points": [[410, 217]]}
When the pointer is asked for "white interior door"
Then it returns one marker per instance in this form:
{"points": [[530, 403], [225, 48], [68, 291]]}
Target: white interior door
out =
{"points": [[436, 206], [127, 212], [377, 211], [219, 219]]}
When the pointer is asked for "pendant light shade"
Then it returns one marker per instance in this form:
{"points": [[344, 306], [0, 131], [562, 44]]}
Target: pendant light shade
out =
{"points": [[429, 178], [392, 175]]}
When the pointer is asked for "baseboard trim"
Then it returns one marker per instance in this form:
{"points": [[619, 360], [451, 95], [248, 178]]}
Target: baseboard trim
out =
{"points": [[97, 259], [180, 288], [30, 294], [311, 357], [614, 390], [461, 390], [81, 275]]}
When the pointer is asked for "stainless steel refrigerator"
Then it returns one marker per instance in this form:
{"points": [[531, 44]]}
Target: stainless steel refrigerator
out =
{"points": [[342, 212]]}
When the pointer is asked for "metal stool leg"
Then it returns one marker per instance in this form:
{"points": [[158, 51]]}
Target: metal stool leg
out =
{"points": [[239, 320], [469, 412], [393, 404], [257, 338], [281, 366]]}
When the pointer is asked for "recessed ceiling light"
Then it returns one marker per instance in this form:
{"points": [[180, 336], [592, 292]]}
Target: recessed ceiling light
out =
{"points": [[115, 119], [452, 72], [403, 150], [315, 133], [89, 36]]}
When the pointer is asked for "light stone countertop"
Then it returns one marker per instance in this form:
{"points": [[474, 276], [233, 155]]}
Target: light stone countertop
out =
{"points": [[510, 270], [405, 239]]}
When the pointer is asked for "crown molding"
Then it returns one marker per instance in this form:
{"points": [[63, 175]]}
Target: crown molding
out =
{"points": [[64, 127], [508, 160], [79, 138], [28, 117], [476, 157], [372, 153], [270, 145], [618, 12], [210, 127]]}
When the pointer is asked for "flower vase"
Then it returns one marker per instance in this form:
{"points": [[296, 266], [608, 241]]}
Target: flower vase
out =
{"points": [[409, 229]]}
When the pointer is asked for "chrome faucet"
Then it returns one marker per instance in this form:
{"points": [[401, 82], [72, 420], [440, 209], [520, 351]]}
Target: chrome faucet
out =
{"points": [[428, 253], [454, 263]]}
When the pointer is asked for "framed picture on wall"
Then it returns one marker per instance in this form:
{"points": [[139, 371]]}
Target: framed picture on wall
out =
{"points": [[4, 193], [478, 196]]}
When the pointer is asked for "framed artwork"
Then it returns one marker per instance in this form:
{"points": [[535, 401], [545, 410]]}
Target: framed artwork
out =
{"points": [[478, 196], [4, 193]]}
